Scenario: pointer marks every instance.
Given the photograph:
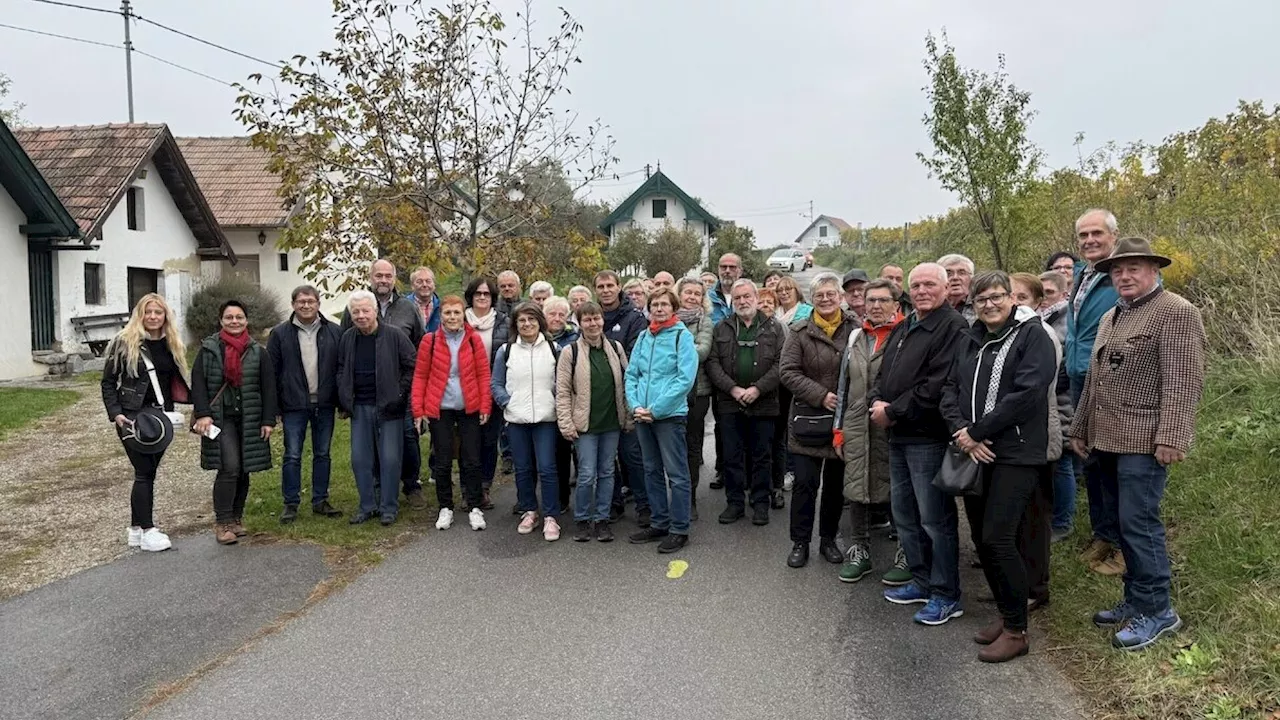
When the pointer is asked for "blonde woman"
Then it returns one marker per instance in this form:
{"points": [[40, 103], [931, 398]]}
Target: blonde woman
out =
{"points": [[145, 371]]}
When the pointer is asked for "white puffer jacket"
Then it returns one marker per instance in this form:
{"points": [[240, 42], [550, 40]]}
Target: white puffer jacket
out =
{"points": [[524, 381]]}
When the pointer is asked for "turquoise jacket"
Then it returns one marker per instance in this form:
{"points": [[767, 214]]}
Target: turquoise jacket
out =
{"points": [[1083, 329], [661, 372]]}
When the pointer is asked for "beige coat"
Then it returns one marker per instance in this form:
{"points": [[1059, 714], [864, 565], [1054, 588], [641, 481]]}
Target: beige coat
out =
{"points": [[573, 387], [866, 446]]}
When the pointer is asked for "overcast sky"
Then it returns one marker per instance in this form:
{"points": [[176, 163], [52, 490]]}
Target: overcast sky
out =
{"points": [[755, 106]]}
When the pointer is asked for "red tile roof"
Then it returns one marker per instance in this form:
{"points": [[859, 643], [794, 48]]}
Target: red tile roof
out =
{"points": [[234, 178]]}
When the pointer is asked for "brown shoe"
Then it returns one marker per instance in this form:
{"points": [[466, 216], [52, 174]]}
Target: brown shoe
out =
{"points": [[988, 634], [225, 534], [1111, 566], [1008, 646], [1097, 551], [237, 527]]}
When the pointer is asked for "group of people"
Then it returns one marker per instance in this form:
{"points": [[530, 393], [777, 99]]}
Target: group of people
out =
{"points": [[868, 402]]}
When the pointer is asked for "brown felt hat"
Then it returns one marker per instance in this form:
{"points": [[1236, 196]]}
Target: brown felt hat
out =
{"points": [[1132, 248]]}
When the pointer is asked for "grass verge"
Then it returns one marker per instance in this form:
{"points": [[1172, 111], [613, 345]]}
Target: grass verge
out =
{"points": [[21, 406], [1222, 510]]}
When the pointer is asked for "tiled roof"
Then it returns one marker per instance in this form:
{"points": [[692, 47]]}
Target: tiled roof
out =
{"points": [[89, 167], [234, 178], [841, 225]]}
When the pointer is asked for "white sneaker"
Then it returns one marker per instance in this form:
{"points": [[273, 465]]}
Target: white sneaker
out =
{"points": [[477, 519], [788, 480], [527, 522], [135, 536], [550, 529], [445, 521], [154, 541]]}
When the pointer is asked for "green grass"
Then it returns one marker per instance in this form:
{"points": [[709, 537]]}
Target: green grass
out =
{"points": [[20, 407], [1222, 510]]}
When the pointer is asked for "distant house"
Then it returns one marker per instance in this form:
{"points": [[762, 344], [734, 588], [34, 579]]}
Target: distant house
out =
{"points": [[657, 203], [144, 226], [824, 230]]}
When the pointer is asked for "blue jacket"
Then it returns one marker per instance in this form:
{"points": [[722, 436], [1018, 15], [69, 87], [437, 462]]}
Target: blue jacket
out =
{"points": [[433, 319], [720, 308], [1083, 329], [661, 372]]}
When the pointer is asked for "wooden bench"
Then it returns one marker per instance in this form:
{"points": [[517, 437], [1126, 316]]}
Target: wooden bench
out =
{"points": [[110, 321]]}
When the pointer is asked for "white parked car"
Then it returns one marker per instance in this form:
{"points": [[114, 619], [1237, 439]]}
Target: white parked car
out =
{"points": [[789, 260]]}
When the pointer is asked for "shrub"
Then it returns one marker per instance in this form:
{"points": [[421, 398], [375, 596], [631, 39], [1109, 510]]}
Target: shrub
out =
{"points": [[261, 306]]}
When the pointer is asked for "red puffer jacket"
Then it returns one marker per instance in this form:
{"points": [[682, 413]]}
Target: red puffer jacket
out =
{"points": [[432, 372]]}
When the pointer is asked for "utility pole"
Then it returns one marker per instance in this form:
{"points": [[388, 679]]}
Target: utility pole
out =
{"points": [[810, 211], [646, 171], [128, 54]]}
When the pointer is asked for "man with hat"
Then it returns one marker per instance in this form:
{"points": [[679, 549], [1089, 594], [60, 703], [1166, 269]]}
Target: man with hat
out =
{"points": [[1136, 417], [855, 292]]}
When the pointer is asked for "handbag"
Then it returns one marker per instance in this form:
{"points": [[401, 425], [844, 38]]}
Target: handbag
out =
{"points": [[810, 426], [959, 474]]}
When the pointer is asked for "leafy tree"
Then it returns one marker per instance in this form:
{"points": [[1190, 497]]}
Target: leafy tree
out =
{"points": [[741, 241], [978, 125], [629, 251], [427, 133], [675, 250], [11, 115]]}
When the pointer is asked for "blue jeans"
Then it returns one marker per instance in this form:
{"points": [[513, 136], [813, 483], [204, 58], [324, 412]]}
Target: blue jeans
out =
{"points": [[666, 462], [596, 455], [374, 438], [295, 432], [533, 449], [926, 518], [1064, 491], [632, 460], [1134, 485], [1102, 512]]}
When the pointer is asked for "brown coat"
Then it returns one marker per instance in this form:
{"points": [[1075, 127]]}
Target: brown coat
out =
{"points": [[573, 388], [1145, 378], [810, 370]]}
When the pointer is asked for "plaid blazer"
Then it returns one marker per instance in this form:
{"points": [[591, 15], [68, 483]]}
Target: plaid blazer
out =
{"points": [[1145, 378]]}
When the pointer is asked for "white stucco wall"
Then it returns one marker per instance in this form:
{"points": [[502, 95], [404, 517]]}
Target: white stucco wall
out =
{"points": [[165, 244], [15, 311], [244, 241], [812, 237]]}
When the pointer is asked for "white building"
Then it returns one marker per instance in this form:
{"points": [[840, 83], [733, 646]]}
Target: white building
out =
{"points": [[144, 223], [823, 231], [658, 203]]}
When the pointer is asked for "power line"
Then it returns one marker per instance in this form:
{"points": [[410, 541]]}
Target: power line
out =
{"points": [[181, 67], [210, 43], [78, 7], [61, 37]]}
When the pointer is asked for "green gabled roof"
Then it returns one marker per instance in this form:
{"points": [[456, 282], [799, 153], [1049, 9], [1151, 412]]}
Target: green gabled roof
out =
{"points": [[659, 184], [47, 217]]}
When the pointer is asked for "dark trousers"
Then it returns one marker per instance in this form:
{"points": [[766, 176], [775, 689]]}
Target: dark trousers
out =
{"points": [[695, 433], [295, 434], [564, 454], [465, 427], [994, 519], [748, 448], [819, 485], [780, 457], [142, 497], [631, 462], [489, 434], [719, 443], [1034, 533], [1102, 505], [231, 484]]}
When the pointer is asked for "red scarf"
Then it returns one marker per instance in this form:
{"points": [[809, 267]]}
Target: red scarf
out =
{"points": [[656, 327], [233, 358]]}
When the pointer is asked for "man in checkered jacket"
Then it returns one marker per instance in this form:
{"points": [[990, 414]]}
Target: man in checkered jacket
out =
{"points": [[1136, 417]]}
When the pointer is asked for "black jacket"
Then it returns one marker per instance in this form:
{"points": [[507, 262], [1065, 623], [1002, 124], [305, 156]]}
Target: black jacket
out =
{"points": [[123, 393], [1018, 425], [624, 323], [291, 379], [402, 313], [722, 366], [394, 372], [916, 363]]}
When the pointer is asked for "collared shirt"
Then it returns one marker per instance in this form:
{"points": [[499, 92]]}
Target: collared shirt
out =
{"points": [[746, 364], [309, 352], [1122, 304], [1088, 278]]}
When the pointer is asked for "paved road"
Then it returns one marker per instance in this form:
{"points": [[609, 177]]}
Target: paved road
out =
{"points": [[492, 624]]}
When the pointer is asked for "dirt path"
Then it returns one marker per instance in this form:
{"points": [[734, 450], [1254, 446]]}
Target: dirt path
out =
{"points": [[64, 494]]}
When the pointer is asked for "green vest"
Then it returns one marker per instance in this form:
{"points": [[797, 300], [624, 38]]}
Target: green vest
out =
{"points": [[255, 452]]}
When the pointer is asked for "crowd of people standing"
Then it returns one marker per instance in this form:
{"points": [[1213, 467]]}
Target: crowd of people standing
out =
{"points": [[875, 403]]}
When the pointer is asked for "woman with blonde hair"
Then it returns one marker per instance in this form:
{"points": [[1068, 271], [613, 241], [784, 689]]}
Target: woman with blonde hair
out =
{"points": [[791, 305], [145, 370]]}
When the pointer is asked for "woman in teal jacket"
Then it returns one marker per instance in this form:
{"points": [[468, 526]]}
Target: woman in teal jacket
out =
{"points": [[662, 370]]}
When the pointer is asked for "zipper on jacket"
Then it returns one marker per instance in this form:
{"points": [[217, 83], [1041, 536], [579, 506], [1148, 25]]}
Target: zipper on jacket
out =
{"points": [[649, 371]]}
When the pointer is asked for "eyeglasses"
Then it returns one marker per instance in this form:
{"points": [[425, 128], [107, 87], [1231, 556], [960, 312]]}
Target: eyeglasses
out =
{"points": [[481, 293], [829, 295], [992, 299]]}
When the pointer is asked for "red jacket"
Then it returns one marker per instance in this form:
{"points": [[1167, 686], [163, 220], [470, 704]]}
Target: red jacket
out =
{"points": [[431, 373]]}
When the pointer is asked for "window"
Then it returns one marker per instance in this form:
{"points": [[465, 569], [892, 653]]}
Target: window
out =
{"points": [[822, 231], [659, 208], [95, 283], [134, 209], [141, 282], [284, 262]]}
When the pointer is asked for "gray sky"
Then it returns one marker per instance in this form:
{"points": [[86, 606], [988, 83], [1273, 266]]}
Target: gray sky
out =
{"points": [[771, 104]]}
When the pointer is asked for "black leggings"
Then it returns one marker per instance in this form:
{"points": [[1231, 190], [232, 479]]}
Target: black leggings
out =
{"points": [[231, 484], [142, 498], [995, 518]]}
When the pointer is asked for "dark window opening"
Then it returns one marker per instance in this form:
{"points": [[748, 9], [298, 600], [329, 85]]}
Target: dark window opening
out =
{"points": [[141, 282], [134, 209], [822, 231], [284, 262], [659, 208], [95, 283]]}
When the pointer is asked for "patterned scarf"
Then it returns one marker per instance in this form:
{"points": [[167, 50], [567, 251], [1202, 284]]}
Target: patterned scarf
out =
{"points": [[828, 326], [233, 357], [689, 316]]}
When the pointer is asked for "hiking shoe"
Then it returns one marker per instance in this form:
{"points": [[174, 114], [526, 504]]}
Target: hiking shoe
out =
{"points": [[604, 533], [1113, 565], [476, 518], [799, 555], [153, 540], [324, 509], [445, 520], [237, 527], [415, 499], [550, 529], [1118, 615], [644, 517], [857, 563], [898, 575], [990, 633], [909, 594], [647, 535], [788, 481], [1097, 551], [830, 551], [528, 521], [1007, 646], [672, 543], [731, 514], [760, 514], [584, 531], [134, 537], [223, 533], [938, 610], [289, 514], [1142, 631]]}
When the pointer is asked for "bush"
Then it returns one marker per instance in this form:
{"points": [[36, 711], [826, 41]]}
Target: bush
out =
{"points": [[261, 306]]}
